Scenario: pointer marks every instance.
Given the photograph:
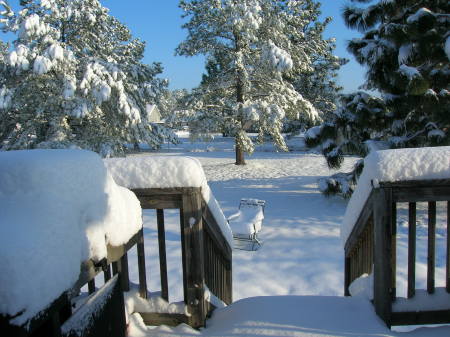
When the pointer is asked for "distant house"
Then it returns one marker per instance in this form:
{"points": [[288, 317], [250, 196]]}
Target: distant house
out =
{"points": [[153, 114]]}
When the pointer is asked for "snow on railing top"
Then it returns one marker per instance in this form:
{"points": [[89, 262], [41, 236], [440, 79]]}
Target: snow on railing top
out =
{"points": [[395, 165], [167, 172], [58, 208]]}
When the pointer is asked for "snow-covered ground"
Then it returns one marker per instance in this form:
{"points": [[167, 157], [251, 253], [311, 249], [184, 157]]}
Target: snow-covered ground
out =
{"points": [[302, 252]]}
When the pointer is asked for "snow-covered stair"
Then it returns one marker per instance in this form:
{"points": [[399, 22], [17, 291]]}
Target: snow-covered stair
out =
{"points": [[296, 316]]}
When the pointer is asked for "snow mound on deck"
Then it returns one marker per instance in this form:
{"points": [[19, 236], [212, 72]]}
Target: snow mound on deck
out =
{"points": [[395, 165], [58, 208], [156, 171], [293, 316], [167, 172]]}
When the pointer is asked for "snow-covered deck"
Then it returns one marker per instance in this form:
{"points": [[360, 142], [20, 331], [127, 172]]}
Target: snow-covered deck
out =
{"points": [[293, 316]]}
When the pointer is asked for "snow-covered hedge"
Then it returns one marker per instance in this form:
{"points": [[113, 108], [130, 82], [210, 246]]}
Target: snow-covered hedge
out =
{"points": [[58, 208], [167, 172], [395, 165]]}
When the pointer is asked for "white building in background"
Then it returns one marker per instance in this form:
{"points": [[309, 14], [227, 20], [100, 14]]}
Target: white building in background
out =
{"points": [[153, 114]]}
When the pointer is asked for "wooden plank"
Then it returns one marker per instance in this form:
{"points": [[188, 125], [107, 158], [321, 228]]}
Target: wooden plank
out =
{"points": [[360, 224], [447, 269], [193, 239], [91, 286], [160, 202], [155, 319], [382, 259], [421, 317], [184, 254], [107, 274], [416, 183], [41, 324], [424, 194], [210, 224], [229, 298], [121, 267], [412, 249], [142, 271], [394, 251], [371, 246], [104, 316], [431, 258], [162, 254], [140, 192]]}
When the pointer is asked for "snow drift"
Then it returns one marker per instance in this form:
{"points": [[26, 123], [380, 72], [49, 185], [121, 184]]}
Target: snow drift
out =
{"points": [[58, 208]]}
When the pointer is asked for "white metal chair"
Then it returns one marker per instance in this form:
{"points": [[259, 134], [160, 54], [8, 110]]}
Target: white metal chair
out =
{"points": [[246, 223]]}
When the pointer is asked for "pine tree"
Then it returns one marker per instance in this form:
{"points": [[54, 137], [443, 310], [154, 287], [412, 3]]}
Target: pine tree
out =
{"points": [[405, 51], [250, 46], [75, 78], [319, 86], [356, 128], [403, 48]]}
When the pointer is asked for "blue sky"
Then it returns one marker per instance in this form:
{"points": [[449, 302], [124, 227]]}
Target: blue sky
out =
{"points": [[158, 22]]}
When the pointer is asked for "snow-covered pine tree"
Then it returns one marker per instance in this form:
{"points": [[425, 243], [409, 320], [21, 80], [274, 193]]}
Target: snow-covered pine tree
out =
{"points": [[356, 127], [75, 78], [319, 85], [251, 44], [173, 107], [405, 49]]}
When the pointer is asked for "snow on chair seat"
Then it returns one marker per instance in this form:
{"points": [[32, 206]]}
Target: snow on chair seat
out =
{"points": [[246, 224]]}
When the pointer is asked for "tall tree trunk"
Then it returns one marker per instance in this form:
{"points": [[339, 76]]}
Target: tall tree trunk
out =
{"points": [[240, 160]]}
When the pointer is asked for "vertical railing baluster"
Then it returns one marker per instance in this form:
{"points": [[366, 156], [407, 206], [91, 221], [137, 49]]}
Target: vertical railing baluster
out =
{"points": [[183, 256], [91, 286], [162, 254], [107, 273], [431, 246], [394, 252], [347, 276], [141, 265], [411, 249], [121, 266], [447, 271]]}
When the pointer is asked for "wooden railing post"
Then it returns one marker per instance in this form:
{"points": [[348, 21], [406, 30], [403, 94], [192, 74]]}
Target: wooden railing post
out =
{"points": [[383, 253], [193, 257]]}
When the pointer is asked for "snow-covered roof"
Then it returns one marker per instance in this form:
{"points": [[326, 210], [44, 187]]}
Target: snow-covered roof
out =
{"points": [[58, 208], [395, 165], [153, 113], [167, 172]]}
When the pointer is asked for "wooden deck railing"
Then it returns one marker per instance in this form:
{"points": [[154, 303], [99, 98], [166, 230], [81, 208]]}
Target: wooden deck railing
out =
{"points": [[206, 259], [372, 244], [206, 255]]}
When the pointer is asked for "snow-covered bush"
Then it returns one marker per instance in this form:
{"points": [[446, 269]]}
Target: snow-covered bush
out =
{"points": [[74, 77]]}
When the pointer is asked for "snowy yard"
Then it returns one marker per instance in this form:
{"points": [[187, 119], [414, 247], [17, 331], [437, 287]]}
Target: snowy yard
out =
{"points": [[302, 251]]}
